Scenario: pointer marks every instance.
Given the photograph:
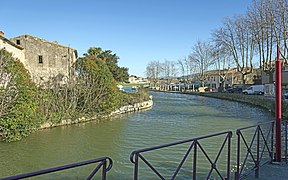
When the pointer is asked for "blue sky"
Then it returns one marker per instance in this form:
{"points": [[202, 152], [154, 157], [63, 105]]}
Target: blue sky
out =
{"points": [[138, 31]]}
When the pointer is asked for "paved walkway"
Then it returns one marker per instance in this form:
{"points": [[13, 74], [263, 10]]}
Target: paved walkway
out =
{"points": [[272, 172]]}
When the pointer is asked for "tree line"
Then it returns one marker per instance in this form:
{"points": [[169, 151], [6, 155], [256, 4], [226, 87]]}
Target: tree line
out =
{"points": [[243, 42], [92, 91]]}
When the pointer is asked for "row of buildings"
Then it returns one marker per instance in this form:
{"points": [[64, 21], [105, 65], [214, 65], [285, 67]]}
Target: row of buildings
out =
{"points": [[233, 77], [43, 59], [223, 79]]}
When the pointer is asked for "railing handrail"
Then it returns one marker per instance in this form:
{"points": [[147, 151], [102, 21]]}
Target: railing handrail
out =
{"points": [[192, 148], [176, 143], [284, 122], [248, 127], [64, 167]]}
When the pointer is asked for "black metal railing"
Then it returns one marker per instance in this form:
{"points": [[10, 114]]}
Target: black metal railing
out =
{"points": [[285, 139], [194, 147], [254, 149], [102, 163]]}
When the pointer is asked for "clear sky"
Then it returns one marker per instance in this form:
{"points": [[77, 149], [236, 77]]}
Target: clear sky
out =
{"points": [[138, 31]]}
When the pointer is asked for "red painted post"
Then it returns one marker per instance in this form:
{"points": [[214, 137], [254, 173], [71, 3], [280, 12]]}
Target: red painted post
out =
{"points": [[278, 106]]}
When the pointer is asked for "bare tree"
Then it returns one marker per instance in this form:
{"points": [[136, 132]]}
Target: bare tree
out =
{"points": [[260, 20], [153, 70], [169, 70], [280, 13], [268, 21], [181, 66], [202, 59], [239, 39], [223, 64], [174, 70]]}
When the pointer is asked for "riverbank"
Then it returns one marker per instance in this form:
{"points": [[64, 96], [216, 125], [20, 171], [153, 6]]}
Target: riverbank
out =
{"points": [[124, 109], [256, 100], [265, 102]]}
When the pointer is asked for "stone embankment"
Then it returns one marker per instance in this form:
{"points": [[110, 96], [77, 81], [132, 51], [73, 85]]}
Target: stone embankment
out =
{"points": [[125, 109], [134, 107], [265, 102]]}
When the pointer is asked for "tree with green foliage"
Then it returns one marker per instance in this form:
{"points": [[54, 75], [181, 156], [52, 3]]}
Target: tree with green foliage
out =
{"points": [[100, 94], [120, 74], [18, 105]]}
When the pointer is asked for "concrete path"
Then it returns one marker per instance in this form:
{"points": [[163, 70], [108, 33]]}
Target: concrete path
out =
{"points": [[272, 172]]}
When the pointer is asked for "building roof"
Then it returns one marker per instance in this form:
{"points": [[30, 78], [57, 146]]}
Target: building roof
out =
{"points": [[55, 43], [11, 43]]}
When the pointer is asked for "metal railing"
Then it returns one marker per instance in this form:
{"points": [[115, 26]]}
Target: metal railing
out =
{"points": [[254, 150], [194, 147], [285, 138], [102, 163]]}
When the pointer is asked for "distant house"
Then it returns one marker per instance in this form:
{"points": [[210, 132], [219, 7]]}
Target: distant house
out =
{"points": [[233, 77], [45, 59], [265, 77], [134, 79]]}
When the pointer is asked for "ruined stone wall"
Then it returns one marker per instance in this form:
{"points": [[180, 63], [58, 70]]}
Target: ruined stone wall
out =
{"points": [[46, 59]]}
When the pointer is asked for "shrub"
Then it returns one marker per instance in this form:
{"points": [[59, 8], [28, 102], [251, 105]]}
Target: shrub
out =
{"points": [[18, 106]]}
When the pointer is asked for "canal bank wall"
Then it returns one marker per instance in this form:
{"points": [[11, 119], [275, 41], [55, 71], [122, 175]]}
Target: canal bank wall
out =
{"points": [[125, 109], [256, 100], [265, 102]]}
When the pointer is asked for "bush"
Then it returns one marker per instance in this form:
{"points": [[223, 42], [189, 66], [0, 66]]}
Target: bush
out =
{"points": [[18, 106]]}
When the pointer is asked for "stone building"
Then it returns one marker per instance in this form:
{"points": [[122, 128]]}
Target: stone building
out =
{"points": [[233, 77], [45, 60], [265, 77], [16, 50]]}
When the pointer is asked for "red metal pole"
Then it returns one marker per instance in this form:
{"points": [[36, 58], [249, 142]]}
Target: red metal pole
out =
{"points": [[278, 105]]}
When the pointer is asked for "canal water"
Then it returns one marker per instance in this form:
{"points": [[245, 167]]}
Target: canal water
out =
{"points": [[173, 117]]}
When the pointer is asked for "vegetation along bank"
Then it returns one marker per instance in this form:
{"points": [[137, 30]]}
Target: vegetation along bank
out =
{"points": [[90, 92]]}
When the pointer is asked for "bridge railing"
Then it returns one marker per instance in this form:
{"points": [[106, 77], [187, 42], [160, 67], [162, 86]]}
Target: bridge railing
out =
{"points": [[104, 162], [195, 146], [258, 145], [285, 138]]}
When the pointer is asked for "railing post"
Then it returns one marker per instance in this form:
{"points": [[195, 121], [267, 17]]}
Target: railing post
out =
{"points": [[272, 142], [229, 154], [237, 173], [104, 169], [278, 104], [257, 158], [136, 167], [195, 160], [285, 140]]}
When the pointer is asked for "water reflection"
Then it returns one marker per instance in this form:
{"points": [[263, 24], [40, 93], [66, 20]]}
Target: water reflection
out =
{"points": [[173, 117]]}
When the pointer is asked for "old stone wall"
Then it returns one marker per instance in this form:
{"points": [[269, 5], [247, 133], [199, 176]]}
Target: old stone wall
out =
{"points": [[46, 59], [125, 109]]}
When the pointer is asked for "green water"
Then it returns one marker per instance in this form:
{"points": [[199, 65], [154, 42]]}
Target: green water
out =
{"points": [[173, 117]]}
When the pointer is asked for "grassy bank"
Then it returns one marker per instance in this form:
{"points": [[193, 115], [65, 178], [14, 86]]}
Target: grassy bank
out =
{"points": [[133, 84]]}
